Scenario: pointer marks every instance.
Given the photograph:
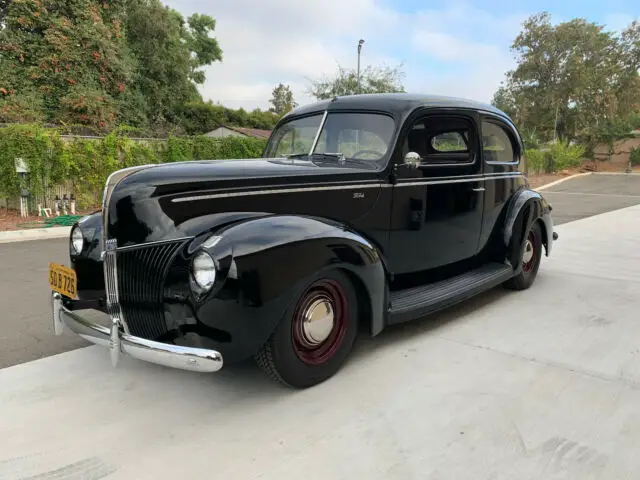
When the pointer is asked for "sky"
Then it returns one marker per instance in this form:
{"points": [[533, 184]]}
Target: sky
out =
{"points": [[455, 47]]}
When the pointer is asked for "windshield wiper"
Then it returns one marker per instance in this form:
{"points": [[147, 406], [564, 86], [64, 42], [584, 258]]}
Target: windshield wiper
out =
{"points": [[342, 159], [339, 156]]}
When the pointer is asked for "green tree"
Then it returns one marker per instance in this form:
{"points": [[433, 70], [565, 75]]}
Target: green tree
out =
{"points": [[282, 100], [199, 117], [345, 82], [168, 55], [263, 119], [570, 78], [62, 61], [629, 89], [3, 9], [505, 100], [202, 117]]}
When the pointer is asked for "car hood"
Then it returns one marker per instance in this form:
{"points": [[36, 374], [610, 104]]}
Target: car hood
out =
{"points": [[184, 177], [175, 200]]}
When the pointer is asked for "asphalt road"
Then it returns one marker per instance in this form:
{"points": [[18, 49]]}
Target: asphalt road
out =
{"points": [[539, 384], [589, 195], [27, 332]]}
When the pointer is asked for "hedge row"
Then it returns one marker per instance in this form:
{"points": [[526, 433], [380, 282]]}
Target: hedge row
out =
{"points": [[54, 160], [556, 157]]}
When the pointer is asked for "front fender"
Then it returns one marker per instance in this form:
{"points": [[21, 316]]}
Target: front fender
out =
{"points": [[526, 207], [88, 264], [263, 262]]}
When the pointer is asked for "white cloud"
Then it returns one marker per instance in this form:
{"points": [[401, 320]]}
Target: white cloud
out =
{"points": [[271, 41], [444, 46]]}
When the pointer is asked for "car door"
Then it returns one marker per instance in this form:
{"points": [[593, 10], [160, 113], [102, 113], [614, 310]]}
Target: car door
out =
{"points": [[501, 153], [437, 207]]}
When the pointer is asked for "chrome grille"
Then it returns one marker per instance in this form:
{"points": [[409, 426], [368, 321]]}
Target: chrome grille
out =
{"points": [[141, 273], [111, 284]]}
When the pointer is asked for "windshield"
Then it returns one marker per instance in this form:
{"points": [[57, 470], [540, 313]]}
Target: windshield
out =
{"points": [[357, 136]]}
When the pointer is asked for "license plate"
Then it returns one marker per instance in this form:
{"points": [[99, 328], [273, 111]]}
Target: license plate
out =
{"points": [[63, 280]]}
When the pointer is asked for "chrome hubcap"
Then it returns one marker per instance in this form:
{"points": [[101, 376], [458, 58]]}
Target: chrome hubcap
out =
{"points": [[528, 252], [318, 321]]}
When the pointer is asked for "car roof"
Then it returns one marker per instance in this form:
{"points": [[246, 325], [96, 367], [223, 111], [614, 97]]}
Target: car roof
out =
{"points": [[399, 104]]}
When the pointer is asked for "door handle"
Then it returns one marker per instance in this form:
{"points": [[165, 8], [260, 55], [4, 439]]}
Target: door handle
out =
{"points": [[478, 189]]}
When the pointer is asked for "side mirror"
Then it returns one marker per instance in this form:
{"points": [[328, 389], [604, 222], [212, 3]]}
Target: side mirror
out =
{"points": [[412, 159]]}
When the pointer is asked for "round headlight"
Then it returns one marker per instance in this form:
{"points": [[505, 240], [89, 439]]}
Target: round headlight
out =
{"points": [[204, 270], [77, 240]]}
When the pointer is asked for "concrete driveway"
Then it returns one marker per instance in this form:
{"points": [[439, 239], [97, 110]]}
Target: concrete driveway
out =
{"points": [[540, 384]]}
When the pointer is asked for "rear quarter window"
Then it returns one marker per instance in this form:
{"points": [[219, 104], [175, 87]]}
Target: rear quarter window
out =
{"points": [[497, 143]]}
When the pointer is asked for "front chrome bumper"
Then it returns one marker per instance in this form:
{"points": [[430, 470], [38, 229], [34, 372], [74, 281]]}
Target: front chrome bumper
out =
{"points": [[118, 342]]}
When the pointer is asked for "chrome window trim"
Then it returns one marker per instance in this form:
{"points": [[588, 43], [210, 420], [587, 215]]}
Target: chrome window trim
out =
{"points": [[317, 137]]}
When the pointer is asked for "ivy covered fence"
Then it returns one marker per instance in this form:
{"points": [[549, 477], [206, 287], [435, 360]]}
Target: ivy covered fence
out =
{"points": [[82, 165]]}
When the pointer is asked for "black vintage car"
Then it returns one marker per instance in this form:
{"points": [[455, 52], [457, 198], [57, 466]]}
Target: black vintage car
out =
{"points": [[366, 211]]}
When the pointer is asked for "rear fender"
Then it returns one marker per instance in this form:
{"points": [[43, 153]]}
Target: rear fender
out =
{"points": [[526, 207], [268, 259]]}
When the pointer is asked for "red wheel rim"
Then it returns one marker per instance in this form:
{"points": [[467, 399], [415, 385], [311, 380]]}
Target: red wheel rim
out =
{"points": [[529, 257], [320, 322]]}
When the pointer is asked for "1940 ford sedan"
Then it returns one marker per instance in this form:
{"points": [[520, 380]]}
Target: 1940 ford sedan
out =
{"points": [[366, 211]]}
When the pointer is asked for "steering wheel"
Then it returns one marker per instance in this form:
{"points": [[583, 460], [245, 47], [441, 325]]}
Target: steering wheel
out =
{"points": [[366, 151]]}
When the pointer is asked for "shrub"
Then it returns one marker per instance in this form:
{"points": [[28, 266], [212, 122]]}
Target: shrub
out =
{"points": [[634, 156], [42, 153], [562, 156], [534, 159]]}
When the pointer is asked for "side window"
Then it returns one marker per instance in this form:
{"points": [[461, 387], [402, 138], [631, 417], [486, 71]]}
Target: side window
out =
{"points": [[496, 143], [449, 142], [441, 140]]}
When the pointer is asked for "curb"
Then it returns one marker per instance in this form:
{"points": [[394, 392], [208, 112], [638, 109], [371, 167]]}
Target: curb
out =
{"points": [[616, 173], [556, 182], [34, 234]]}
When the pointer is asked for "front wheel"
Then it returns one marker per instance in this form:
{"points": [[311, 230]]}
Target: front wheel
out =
{"points": [[531, 256], [316, 334]]}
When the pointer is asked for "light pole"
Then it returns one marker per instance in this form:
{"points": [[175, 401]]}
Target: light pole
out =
{"points": [[358, 74]]}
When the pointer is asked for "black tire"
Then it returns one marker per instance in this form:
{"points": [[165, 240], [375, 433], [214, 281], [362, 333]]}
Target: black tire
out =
{"points": [[289, 357], [529, 270]]}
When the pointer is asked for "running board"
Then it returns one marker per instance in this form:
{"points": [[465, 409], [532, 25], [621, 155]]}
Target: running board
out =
{"points": [[419, 301]]}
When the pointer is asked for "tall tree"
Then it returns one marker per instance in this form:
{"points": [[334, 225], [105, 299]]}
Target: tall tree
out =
{"points": [[282, 100], [630, 85], [62, 61], [168, 54], [569, 78], [345, 82]]}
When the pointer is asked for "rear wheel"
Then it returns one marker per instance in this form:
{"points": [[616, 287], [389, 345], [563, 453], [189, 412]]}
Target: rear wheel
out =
{"points": [[316, 334], [531, 256]]}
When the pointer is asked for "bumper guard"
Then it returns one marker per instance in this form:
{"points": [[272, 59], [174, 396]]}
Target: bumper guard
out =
{"points": [[118, 342]]}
